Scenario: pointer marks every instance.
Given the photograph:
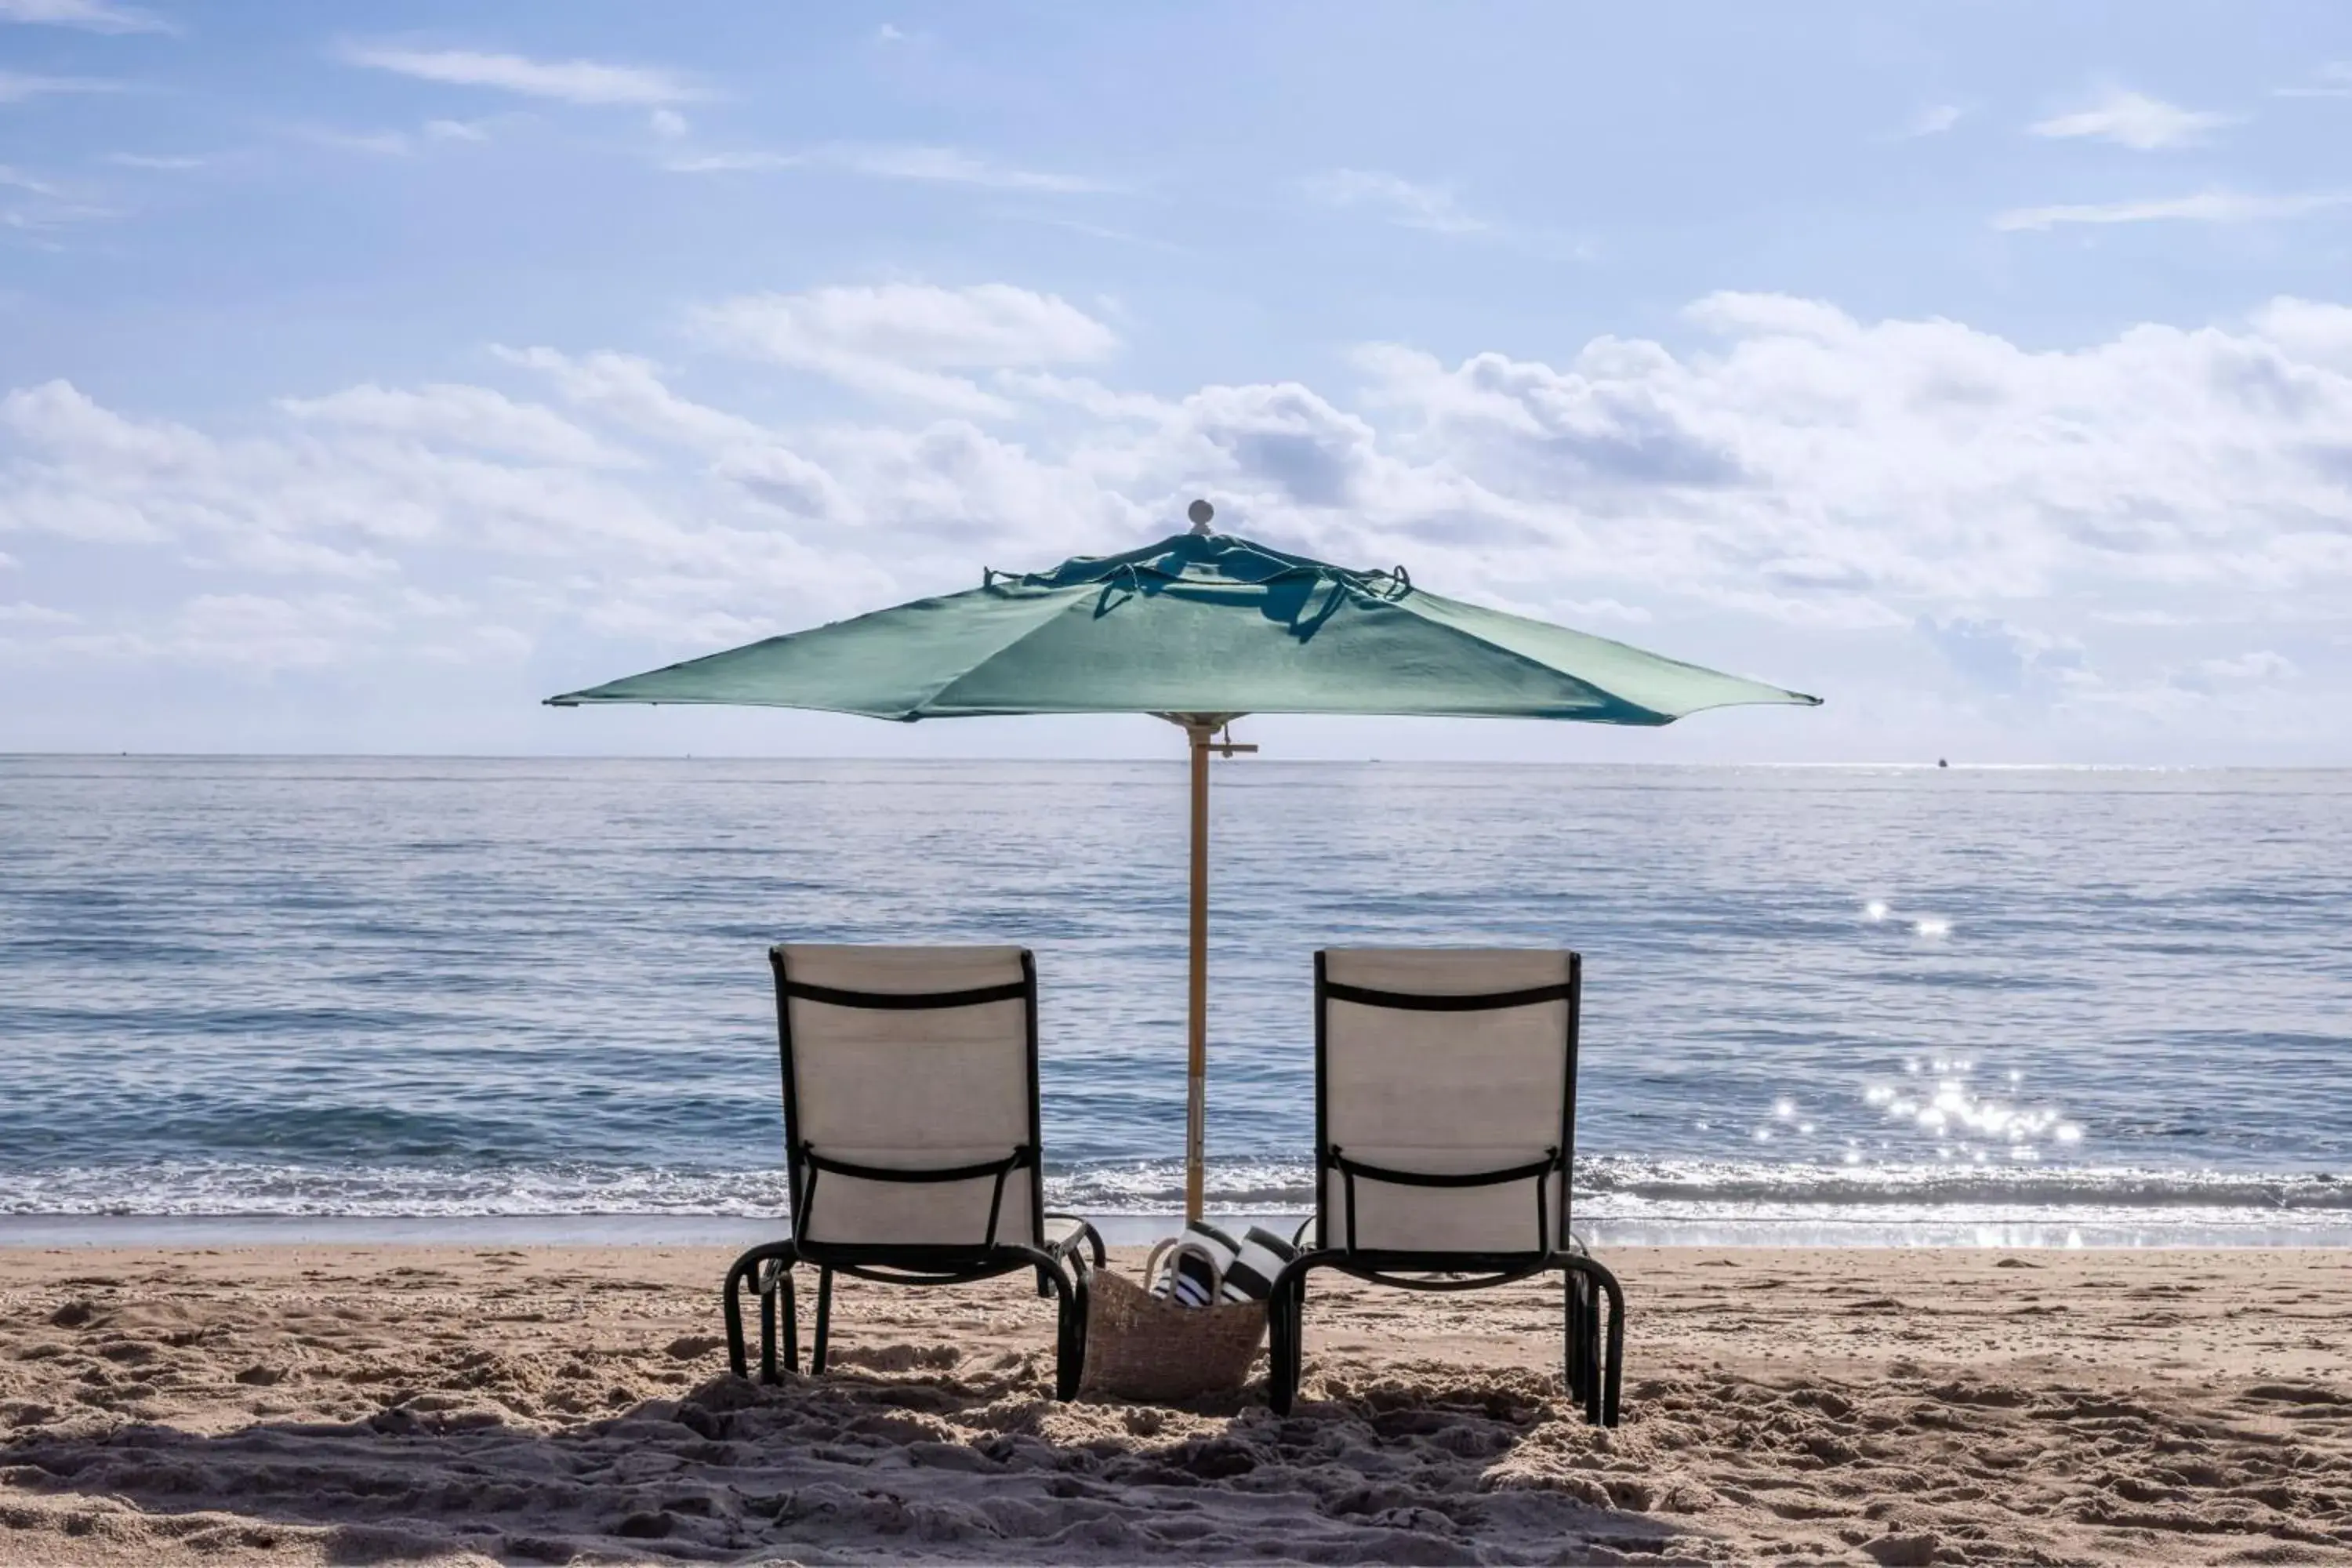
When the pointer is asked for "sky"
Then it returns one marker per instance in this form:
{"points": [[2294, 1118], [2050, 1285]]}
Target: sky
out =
{"points": [[369, 374]]}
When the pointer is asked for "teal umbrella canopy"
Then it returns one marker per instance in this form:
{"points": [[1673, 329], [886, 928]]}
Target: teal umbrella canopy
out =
{"points": [[1198, 624]]}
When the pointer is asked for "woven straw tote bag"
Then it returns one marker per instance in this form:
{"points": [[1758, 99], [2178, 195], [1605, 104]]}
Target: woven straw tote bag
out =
{"points": [[1147, 1347]]}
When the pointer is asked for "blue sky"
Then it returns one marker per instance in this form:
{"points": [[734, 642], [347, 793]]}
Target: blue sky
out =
{"points": [[367, 374]]}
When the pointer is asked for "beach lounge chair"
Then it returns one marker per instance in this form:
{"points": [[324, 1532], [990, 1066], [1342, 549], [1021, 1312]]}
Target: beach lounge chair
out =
{"points": [[910, 1140], [1444, 1133]]}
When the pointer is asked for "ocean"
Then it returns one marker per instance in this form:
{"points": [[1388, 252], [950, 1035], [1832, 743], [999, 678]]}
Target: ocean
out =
{"points": [[2000, 1005]]}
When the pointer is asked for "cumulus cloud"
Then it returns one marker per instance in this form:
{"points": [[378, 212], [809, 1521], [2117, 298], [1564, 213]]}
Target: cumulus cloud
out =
{"points": [[2133, 120], [459, 415], [1997, 655], [1406, 203], [902, 341], [630, 390], [591, 82], [2108, 535]]}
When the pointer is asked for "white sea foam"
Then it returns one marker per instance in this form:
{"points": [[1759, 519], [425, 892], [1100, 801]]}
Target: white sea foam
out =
{"points": [[1850, 1190]]}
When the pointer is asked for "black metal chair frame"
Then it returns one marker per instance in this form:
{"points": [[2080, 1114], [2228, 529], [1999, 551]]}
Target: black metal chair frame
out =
{"points": [[1063, 1268], [1592, 1378]]}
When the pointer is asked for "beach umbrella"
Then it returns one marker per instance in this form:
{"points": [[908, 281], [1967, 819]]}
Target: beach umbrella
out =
{"points": [[1199, 629]]}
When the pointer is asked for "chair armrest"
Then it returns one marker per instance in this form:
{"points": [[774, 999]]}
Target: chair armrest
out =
{"points": [[1086, 1234]]}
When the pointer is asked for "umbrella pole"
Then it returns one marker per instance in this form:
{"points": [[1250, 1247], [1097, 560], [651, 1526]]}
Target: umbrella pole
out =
{"points": [[1201, 732], [1196, 1057]]}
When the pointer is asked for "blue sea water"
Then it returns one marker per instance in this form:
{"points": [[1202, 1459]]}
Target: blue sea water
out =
{"points": [[1889, 1003]]}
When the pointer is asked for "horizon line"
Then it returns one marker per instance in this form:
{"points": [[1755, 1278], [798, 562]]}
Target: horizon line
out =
{"points": [[1940, 765]]}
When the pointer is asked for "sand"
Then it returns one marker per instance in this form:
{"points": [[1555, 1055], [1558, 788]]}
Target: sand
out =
{"points": [[448, 1405]]}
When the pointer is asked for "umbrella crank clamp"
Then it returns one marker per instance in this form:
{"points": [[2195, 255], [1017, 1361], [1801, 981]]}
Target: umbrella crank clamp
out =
{"points": [[1225, 746]]}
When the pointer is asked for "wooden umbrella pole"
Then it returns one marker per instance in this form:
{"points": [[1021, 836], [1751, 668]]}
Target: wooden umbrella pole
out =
{"points": [[1201, 732], [1196, 1061]]}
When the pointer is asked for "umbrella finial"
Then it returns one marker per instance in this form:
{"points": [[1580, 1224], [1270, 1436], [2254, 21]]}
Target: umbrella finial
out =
{"points": [[1200, 511]]}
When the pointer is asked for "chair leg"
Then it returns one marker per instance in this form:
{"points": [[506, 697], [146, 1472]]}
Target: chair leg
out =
{"points": [[1070, 1317], [824, 1322], [1575, 1290], [746, 1270], [1603, 1384], [771, 1305], [1082, 1291], [1070, 1355], [1285, 1307]]}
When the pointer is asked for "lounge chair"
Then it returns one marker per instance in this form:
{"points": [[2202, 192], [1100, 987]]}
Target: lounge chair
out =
{"points": [[1444, 1133], [910, 1140]]}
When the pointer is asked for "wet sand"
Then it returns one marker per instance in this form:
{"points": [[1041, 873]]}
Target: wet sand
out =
{"points": [[425, 1405]]}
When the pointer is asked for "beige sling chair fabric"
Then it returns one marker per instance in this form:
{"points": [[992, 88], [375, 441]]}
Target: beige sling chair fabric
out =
{"points": [[912, 1090], [1446, 1102], [911, 1112], [1445, 1093]]}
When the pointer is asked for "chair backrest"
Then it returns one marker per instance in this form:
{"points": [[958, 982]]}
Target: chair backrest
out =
{"points": [[918, 1060], [1444, 1063]]}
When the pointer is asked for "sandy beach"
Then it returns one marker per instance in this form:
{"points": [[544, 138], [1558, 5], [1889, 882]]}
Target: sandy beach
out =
{"points": [[443, 1404]]}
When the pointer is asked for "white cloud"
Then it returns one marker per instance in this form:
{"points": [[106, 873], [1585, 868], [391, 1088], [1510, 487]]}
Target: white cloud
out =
{"points": [[934, 165], [2308, 330], [459, 415], [169, 163], [17, 179], [1903, 469], [570, 81], [1997, 656], [667, 124], [2206, 206], [1400, 201], [1944, 528], [2133, 120], [2335, 77], [456, 131], [24, 614], [2261, 664], [376, 144], [950, 165], [18, 86], [900, 339], [631, 392], [92, 16], [1934, 120]]}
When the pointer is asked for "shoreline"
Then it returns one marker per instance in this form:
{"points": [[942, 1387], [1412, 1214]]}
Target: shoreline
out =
{"points": [[448, 1405], [2103, 1233]]}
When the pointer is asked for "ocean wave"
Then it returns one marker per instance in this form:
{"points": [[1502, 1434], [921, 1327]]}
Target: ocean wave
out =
{"points": [[1607, 1187]]}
